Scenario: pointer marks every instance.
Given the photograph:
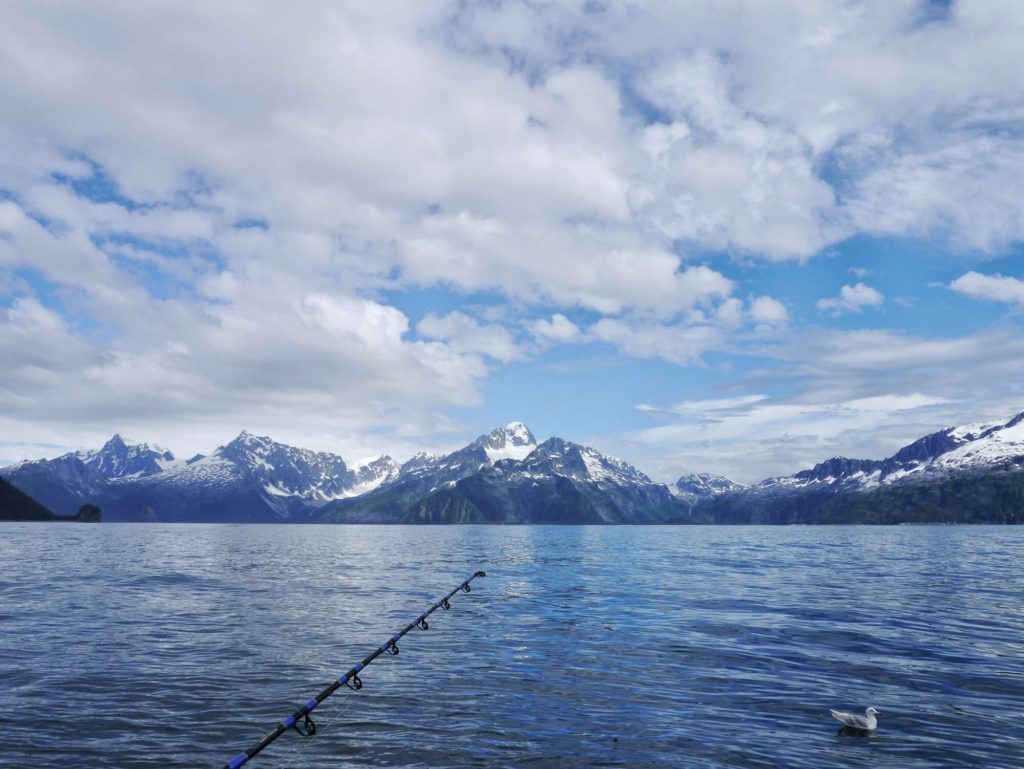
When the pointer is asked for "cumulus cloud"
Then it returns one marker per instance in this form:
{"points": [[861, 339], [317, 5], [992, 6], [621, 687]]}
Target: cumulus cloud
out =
{"points": [[467, 335], [751, 188], [189, 379], [730, 313], [766, 311], [182, 214], [851, 299], [558, 329], [994, 288], [913, 114], [570, 266], [731, 325]]}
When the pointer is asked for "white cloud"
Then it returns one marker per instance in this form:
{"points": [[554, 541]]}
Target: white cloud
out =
{"points": [[766, 311], [266, 366], [752, 187], [465, 334], [862, 393], [558, 329], [728, 326], [709, 406], [396, 148], [915, 117], [750, 438], [730, 313], [851, 299], [966, 190], [680, 343], [570, 266], [995, 288]]}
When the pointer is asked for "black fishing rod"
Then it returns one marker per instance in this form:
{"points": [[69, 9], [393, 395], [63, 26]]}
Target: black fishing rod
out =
{"points": [[300, 720]]}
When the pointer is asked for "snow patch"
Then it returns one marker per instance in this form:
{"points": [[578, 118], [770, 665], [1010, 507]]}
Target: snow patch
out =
{"points": [[595, 467], [518, 453]]}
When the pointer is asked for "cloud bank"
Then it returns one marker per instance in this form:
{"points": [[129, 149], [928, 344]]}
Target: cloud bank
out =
{"points": [[236, 214]]}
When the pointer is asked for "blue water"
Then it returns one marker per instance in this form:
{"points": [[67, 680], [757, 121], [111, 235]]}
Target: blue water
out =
{"points": [[179, 645]]}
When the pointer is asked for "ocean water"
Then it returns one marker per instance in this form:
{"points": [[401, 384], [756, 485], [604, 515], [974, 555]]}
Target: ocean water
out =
{"points": [[179, 645]]}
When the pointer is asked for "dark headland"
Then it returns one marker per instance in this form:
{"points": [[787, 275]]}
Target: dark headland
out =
{"points": [[16, 505]]}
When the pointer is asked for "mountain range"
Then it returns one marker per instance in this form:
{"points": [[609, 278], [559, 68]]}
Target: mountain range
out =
{"points": [[251, 479], [973, 473], [506, 476]]}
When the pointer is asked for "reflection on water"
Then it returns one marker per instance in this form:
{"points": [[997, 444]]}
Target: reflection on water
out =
{"points": [[176, 646], [850, 731]]}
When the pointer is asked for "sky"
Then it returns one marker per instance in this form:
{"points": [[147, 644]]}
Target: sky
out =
{"points": [[724, 236]]}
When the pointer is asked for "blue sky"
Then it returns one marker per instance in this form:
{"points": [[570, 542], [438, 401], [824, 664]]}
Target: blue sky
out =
{"points": [[711, 236]]}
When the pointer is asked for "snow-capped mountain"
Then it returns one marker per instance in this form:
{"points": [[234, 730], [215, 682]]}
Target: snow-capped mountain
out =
{"points": [[123, 458], [971, 448], [514, 441], [695, 487], [66, 482], [279, 470], [418, 462], [277, 480], [372, 474], [250, 478], [506, 477], [426, 473], [579, 463], [559, 482], [430, 472], [968, 474], [117, 458]]}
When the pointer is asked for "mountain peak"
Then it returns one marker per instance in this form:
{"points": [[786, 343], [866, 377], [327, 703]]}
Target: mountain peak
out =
{"points": [[373, 473], [250, 450], [121, 457], [702, 485], [519, 431], [380, 460], [418, 461], [574, 460], [514, 441], [246, 439]]}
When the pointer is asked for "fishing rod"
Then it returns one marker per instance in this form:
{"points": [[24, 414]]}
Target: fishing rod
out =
{"points": [[300, 720]]}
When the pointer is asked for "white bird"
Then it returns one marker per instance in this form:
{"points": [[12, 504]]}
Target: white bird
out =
{"points": [[867, 722]]}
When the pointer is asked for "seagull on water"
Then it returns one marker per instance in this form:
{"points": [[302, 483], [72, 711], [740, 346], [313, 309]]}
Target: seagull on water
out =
{"points": [[867, 722]]}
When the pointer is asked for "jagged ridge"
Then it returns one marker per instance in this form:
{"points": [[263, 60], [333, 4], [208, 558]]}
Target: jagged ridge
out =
{"points": [[502, 476]]}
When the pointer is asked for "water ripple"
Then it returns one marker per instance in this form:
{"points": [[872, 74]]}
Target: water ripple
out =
{"points": [[176, 646]]}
